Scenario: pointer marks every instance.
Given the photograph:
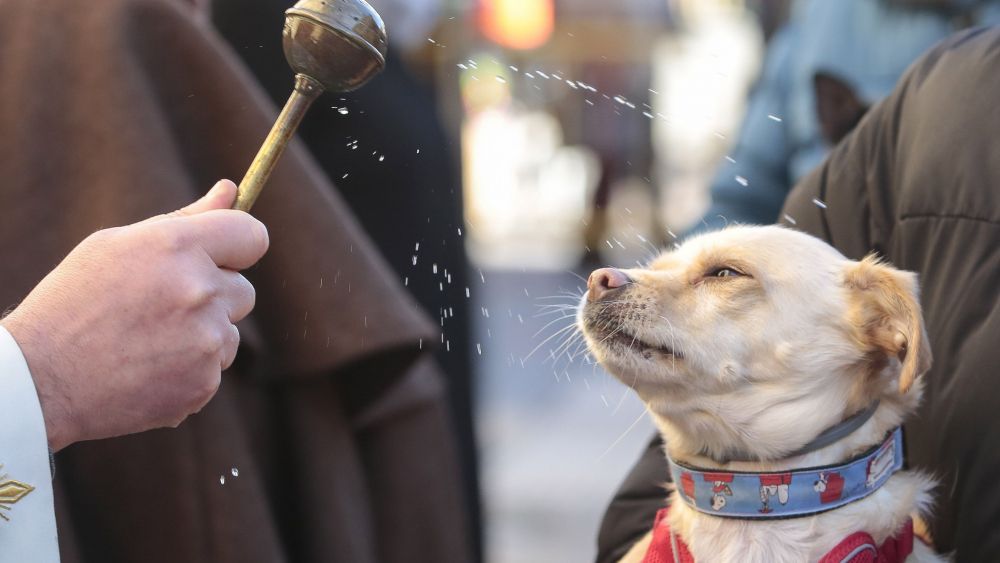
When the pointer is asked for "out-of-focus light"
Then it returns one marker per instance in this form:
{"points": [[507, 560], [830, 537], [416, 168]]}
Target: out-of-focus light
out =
{"points": [[484, 83], [517, 24]]}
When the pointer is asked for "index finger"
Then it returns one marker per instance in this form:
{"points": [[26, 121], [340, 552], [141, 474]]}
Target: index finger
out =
{"points": [[232, 239]]}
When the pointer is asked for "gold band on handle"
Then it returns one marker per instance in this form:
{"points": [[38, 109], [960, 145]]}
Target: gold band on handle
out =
{"points": [[305, 93]]}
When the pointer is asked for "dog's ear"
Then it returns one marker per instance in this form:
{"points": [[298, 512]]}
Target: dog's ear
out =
{"points": [[885, 313]]}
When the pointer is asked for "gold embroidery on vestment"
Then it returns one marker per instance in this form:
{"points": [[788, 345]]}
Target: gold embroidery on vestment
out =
{"points": [[11, 491]]}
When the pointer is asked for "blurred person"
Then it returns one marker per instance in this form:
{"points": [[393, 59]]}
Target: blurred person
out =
{"points": [[915, 182], [771, 13], [822, 71], [131, 331], [329, 438], [397, 169]]}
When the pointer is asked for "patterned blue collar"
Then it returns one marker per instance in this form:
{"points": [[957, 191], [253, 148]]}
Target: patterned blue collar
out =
{"points": [[789, 494]]}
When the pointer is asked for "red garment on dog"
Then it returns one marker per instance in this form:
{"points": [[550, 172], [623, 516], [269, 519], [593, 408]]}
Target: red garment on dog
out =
{"points": [[858, 547]]}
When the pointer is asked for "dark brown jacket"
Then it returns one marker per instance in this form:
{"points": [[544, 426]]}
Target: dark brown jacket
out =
{"points": [[116, 110], [919, 182]]}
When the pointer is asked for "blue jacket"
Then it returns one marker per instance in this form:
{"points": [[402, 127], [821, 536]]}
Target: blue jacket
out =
{"points": [[866, 43]]}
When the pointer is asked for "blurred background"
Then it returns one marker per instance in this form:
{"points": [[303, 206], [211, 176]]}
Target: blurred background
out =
{"points": [[512, 146], [587, 132]]}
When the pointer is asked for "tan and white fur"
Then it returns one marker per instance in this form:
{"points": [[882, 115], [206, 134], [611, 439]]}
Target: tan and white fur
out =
{"points": [[756, 339]]}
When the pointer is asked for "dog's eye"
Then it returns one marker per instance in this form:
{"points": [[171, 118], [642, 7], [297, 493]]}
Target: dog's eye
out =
{"points": [[724, 273]]}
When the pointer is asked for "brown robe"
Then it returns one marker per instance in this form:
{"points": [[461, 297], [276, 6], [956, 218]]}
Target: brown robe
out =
{"points": [[115, 110]]}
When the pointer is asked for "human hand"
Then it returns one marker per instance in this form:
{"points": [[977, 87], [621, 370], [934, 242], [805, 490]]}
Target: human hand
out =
{"points": [[133, 329]]}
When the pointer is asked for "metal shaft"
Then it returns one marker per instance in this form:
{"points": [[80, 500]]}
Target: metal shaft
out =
{"points": [[306, 91]]}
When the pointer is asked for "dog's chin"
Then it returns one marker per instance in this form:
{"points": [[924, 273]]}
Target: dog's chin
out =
{"points": [[632, 360]]}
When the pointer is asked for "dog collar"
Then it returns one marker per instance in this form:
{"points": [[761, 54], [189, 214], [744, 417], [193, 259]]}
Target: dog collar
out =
{"points": [[788, 494]]}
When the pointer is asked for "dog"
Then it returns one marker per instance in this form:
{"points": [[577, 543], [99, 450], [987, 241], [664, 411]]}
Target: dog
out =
{"points": [[773, 366]]}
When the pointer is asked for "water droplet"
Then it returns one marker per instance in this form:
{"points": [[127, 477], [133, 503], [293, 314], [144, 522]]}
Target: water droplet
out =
{"points": [[819, 203], [343, 111], [774, 118], [381, 158], [742, 181], [501, 79], [434, 268], [789, 218], [414, 259], [479, 348], [235, 472], [222, 479], [467, 294]]}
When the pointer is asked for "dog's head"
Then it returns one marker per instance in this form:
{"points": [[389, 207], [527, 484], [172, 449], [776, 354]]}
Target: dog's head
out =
{"points": [[757, 337]]}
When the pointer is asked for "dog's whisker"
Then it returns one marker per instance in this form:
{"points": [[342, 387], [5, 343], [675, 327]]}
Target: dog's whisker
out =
{"points": [[553, 335], [559, 296], [566, 344], [623, 434], [550, 323]]}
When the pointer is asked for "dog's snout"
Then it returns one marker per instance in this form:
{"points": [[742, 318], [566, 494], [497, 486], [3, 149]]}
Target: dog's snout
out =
{"points": [[604, 281]]}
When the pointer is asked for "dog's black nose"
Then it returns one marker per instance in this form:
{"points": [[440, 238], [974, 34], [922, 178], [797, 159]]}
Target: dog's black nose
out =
{"points": [[604, 281]]}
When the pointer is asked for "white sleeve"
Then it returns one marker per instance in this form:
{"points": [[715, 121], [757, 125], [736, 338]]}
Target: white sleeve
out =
{"points": [[27, 511]]}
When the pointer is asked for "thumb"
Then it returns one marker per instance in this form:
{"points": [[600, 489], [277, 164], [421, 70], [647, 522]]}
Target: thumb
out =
{"points": [[221, 196]]}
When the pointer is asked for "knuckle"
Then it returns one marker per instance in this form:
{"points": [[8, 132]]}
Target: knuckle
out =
{"points": [[208, 389], [231, 348], [211, 341], [261, 238], [251, 297], [242, 299], [197, 292]]}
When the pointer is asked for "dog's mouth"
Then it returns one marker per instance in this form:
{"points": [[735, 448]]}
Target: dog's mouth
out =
{"points": [[623, 342]]}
